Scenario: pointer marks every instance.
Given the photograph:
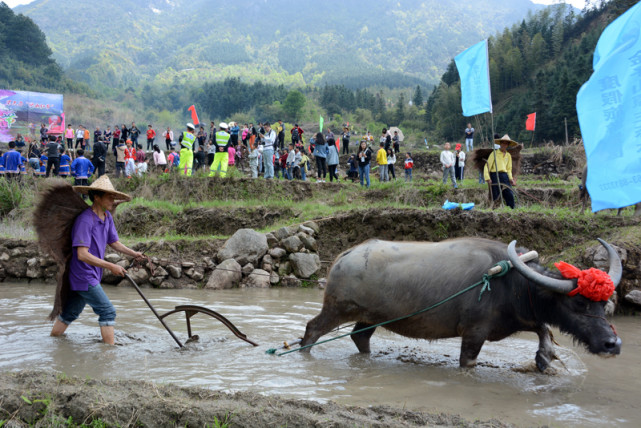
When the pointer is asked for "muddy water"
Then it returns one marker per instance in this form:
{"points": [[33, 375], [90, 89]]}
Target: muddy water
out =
{"points": [[586, 391]]}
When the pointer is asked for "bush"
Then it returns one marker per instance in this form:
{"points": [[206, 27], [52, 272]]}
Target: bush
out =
{"points": [[11, 196]]}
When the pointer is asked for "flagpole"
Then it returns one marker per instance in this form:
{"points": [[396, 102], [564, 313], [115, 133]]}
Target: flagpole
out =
{"points": [[498, 182]]}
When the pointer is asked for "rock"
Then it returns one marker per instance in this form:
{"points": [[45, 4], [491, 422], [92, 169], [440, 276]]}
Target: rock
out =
{"points": [[113, 258], [189, 272], [174, 271], [139, 275], [274, 278], [268, 267], [209, 263], [634, 296], [285, 268], [156, 280], [160, 271], [247, 269], [4, 257], [123, 263], [268, 259], [306, 230], [272, 241], [304, 265], [226, 275], [164, 262], [292, 244], [277, 253], [290, 281], [198, 275], [33, 268], [187, 265], [309, 243], [17, 252], [258, 278], [282, 233], [312, 225], [245, 246], [322, 283], [599, 256], [167, 285]]}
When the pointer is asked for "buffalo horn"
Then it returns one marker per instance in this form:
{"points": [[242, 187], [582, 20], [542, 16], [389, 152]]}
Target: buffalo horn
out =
{"points": [[563, 286], [616, 270]]}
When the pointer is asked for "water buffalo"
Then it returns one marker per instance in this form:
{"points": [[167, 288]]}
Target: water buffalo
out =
{"points": [[380, 280]]}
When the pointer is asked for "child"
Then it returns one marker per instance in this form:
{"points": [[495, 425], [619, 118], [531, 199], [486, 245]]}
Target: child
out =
{"points": [[353, 168], [130, 159], [65, 164], [409, 165], [391, 160], [332, 159], [381, 160], [447, 160], [304, 162], [43, 165], [173, 159], [159, 159], [253, 161]]}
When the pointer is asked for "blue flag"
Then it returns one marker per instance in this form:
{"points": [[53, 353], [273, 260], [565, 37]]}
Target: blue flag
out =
{"points": [[609, 110], [473, 68]]}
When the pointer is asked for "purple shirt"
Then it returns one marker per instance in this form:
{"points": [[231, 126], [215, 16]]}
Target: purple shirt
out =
{"points": [[90, 231]]}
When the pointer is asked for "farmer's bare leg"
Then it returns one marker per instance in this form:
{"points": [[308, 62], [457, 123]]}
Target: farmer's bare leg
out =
{"points": [[107, 333], [58, 328]]}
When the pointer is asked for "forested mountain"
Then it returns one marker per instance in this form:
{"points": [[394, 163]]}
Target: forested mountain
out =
{"points": [[537, 65], [359, 43], [25, 58]]}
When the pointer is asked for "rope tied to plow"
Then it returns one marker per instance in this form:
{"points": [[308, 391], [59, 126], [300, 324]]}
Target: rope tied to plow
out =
{"points": [[494, 272]]}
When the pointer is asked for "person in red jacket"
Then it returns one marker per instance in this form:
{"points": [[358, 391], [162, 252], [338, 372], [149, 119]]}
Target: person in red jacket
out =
{"points": [[409, 165], [151, 136]]}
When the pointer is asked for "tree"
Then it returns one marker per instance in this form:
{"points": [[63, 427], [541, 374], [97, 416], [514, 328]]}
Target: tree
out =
{"points": [[294, 103], [418, 97], [400, 109]]}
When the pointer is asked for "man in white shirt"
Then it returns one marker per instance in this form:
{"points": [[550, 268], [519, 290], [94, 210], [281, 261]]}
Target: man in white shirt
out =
{"points": [[469, 137], [447, 160], [269, 138]]}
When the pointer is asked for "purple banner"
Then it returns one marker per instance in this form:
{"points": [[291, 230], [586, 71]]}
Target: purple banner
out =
{"points": [[24, 112]]}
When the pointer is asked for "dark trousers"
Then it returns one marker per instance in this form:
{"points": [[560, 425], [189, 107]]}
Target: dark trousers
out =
{"points": [[99, 166], [332, 173], [81, 182], [345, 147], [321, 167], [79, 142], [168, 144], [55, 163], [210, 158], [120, 167], [505, 186], [234, 139], [390, 168], [150, 143], [281, 140]]}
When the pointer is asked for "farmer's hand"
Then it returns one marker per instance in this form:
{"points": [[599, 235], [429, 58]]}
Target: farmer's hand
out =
{"points": [[514, 182], [137, 255], [117, 270]]}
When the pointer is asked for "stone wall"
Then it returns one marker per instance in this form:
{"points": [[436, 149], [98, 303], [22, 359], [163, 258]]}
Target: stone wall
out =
{"points": [[286, 257]]}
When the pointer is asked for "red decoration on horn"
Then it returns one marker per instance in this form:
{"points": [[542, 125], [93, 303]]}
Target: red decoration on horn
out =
{"points": [[592, 283]]}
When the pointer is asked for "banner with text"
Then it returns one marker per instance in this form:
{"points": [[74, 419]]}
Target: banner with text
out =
{"points": [[23, 113]]}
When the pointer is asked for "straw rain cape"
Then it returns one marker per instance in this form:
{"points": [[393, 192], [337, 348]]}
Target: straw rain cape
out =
{"points": [[53, 220]]}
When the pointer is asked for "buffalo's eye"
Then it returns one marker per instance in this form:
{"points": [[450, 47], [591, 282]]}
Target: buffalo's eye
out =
{"points": [[581, 305]]}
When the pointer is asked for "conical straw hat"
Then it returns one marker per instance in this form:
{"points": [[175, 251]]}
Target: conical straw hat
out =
{"points": [[506, 139], [104, 185]]}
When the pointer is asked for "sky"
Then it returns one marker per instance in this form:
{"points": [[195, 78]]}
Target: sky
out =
{"points": [[576, 3]]}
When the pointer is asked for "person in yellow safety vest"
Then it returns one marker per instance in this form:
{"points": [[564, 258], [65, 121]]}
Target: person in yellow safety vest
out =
{"points": [[221, 158], [186, 141]]}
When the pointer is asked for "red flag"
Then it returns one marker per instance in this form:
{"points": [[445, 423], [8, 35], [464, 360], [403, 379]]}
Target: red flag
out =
{"points": [[194, 115], [530, 123]]}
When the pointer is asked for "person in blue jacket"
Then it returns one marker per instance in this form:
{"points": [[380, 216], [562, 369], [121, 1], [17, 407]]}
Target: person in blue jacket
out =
{"points": [[81, 169], [65, 163], [320, 153], [12, 162]]}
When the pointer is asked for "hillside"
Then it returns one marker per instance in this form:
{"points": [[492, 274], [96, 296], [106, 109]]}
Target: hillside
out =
{"points": [[25, 59], [536, 66], [359, 43]]}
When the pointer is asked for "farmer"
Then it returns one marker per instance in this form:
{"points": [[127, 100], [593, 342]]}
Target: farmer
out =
{"points": [[501, 161], [92, 231]]}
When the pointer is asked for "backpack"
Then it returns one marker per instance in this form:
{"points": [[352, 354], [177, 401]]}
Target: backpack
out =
{"points": [[176, 160], [295, 134]]}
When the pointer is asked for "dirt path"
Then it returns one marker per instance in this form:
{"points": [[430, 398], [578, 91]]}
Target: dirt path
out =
{"points": [[50, 399]]}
